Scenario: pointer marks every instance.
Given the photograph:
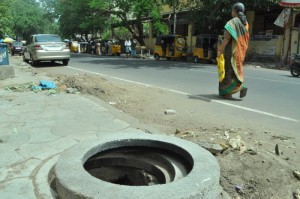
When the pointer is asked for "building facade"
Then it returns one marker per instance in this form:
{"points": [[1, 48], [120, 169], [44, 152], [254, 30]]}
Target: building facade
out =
{"points": [[268, 42]]}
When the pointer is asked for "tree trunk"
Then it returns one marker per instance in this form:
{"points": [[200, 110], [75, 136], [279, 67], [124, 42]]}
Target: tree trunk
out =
{"points": [[86, 36], [140, 35], [136, 30], [140, 39]]}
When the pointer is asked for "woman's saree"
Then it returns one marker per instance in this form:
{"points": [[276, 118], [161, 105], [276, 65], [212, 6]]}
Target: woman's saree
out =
{"points": [[234, 55]]}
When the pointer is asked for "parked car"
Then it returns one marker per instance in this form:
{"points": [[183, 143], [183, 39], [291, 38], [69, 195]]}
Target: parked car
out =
{"points": [[46, 47], [16, 48]]}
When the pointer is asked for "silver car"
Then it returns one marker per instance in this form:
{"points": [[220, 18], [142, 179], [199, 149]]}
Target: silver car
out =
{"points": [[46, 47]]}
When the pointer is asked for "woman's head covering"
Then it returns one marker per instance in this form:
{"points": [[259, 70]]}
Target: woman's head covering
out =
{"points": [[240, 9]]}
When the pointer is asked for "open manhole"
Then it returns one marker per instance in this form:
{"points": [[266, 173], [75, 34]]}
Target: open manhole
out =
{"points": [[136, 165], [140, 166]]}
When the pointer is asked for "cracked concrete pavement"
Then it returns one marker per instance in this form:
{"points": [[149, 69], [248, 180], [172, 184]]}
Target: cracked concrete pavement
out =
{"points": [[35, 128]]}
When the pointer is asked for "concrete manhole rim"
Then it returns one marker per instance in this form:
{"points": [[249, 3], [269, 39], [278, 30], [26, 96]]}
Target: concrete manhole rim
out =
{"points": [[73, 181]]}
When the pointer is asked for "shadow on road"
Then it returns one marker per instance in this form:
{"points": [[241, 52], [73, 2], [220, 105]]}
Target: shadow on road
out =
{"points": [[131, 63], [210, 97], [206, 98], [290, 76], [49, 64]]}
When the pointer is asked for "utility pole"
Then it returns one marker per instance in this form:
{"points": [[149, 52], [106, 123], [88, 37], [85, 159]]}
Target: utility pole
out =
{"points": [[175, 16], [291, 25]]}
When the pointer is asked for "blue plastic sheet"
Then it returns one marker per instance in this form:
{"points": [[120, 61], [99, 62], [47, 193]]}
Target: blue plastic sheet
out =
{"points": [[47, 84]]}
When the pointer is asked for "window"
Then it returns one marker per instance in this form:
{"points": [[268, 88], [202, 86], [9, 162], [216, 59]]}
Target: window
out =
{"points": [[47, 38], [17, 44]]}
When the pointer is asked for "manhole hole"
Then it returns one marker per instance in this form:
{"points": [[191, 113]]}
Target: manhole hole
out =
{"points": [[140, 166], [137, 166]]}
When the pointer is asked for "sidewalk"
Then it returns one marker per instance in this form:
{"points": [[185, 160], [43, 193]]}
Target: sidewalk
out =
{"points": [[35, 128]]}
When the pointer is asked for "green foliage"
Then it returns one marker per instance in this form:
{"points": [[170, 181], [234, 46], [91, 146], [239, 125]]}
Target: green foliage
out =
{"points": [[27, 18], [4, 18], [209, 16], [122, 33], [127, 17], [77, 17], [50, 8], [158, 25], [131, 14], [52, 28]]}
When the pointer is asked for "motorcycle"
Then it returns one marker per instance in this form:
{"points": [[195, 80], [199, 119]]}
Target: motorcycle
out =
{"points": [[295, 67]]}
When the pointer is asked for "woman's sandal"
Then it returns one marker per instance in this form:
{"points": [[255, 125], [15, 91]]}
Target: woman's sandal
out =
{"points": [[243, 92]]}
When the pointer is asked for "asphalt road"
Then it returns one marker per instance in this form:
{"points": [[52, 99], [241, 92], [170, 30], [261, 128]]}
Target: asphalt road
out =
{"points": [[272, 103]]}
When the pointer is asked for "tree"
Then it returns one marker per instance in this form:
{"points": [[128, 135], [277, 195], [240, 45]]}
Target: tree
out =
{"points": [[27, 18], [50, 8], [76, 17], [211, 15], [50, 15], [4, 18], [131, 14], [23, 18]]}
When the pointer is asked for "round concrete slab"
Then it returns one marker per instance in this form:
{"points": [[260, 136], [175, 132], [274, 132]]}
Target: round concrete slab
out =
{"points": [[73, 181]]}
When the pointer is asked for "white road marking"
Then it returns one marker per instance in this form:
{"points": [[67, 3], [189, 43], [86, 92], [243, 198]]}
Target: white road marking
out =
{"points": [[256, 111], [272, 80], [183, 93], [249, 77]]}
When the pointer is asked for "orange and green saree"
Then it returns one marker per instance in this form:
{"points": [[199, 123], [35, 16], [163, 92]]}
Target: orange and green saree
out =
{"points": [[234, 54]]}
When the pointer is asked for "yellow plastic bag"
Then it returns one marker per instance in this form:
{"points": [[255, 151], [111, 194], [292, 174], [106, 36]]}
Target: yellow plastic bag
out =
{"points": [[221, 67]]}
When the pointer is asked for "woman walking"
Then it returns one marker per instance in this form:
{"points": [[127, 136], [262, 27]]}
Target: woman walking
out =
{"points": [[234, 47]]}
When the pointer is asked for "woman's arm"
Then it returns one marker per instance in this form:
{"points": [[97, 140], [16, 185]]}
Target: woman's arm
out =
{"points": [[226, 40]]}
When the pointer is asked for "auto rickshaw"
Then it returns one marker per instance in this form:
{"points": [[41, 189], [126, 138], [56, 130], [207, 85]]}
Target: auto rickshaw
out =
{"points": [[74, 47], [170, 47], [115, 47], [205, 48]]}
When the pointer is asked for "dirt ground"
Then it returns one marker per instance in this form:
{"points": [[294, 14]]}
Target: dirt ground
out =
{"points": [[250, 167]]}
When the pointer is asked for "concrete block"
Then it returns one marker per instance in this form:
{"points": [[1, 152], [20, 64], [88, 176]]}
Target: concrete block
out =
{"points": [[201, 182], [6, 72]]}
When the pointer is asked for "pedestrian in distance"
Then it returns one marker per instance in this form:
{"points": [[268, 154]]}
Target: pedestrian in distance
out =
{"points": [[128, 47], [93, 45], [110, 45], [98, 48], [106, 48], [234, 47], [133, 48]]}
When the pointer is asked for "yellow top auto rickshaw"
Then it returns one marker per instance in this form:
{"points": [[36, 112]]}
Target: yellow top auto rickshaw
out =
{"points": [[116, 48], [74, 47], [110, 47], [170, 47], [205, 48]]}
